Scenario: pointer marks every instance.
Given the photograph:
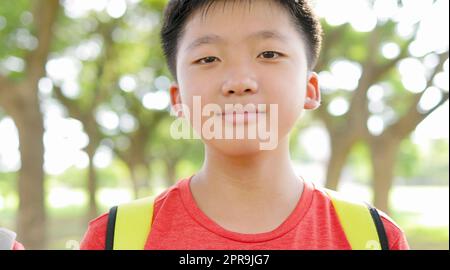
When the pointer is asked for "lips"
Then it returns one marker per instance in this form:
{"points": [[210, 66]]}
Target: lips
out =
{"points": [[239, 115], [240, 110]]}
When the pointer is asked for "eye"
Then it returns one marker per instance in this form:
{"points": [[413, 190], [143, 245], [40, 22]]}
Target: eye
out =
{"points": [[206, 60], [270, 54]]}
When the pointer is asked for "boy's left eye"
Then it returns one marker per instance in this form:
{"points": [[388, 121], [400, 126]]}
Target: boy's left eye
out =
{"points": [[270, 54]]}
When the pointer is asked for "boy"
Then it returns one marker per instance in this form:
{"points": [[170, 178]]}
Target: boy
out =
{"points": [[244, 197]]}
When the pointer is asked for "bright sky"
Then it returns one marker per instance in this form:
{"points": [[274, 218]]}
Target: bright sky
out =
{"points": [[65, 137]]}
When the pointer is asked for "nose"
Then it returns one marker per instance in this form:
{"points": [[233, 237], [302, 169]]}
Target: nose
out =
{"points": [[240, 86]]}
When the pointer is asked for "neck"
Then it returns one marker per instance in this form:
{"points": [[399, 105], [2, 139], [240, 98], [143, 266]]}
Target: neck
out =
{"points": [[250, 177]]}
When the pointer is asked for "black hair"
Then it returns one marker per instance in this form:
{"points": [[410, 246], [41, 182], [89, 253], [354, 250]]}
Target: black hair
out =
{"points": [[177, 12]]}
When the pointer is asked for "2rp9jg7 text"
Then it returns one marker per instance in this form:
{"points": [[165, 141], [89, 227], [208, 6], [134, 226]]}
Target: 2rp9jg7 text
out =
{"points": [[226, 259]]}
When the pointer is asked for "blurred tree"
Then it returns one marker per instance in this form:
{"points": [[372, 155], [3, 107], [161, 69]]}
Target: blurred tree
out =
{"points": [[19, 98], [385, 146], [433, 166], [172, 151], [84, 108], [408, 162], [141, 64], [134, 148], [347, 128]]}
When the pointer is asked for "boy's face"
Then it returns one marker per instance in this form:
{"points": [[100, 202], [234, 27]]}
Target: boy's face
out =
{"points": [[254, 55]]}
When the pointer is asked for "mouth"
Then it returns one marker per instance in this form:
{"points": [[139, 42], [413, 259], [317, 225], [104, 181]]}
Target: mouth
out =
{"points": [[241, 110], [239, 113], [239, 116]]}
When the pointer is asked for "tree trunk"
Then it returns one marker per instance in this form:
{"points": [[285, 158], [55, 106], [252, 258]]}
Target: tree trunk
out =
{"points": [[340, 149], [31, 214], [384, 152], [139, 176], [92, 184], [21, 102], [134, 181], [92, 175]]}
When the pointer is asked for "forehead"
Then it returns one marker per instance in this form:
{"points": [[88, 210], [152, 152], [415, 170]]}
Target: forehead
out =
{"points": [[236, 21]]}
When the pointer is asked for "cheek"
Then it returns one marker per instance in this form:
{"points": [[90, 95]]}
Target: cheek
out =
{"points": [[289, 96], [195, 98], [192, 89], [287, 91], [287, 79]]}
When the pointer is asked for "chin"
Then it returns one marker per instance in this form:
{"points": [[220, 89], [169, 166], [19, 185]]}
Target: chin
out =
{"points": [[237, 147]]}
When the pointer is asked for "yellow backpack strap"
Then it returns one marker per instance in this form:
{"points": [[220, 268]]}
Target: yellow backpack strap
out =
{"points": [[129, 225], [361, 223]]}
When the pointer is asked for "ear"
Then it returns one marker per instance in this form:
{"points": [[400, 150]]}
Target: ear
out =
{"points": [[312, 100], [175, 100]]}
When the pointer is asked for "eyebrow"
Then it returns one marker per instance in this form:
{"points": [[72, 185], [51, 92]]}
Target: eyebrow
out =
{"points": [[210, 39]]}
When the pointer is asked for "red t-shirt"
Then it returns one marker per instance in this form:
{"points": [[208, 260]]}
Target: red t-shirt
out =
{"points": [[178, 223]]}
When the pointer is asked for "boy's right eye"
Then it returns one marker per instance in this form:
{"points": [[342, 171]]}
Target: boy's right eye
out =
{"points": [[206, 60]]}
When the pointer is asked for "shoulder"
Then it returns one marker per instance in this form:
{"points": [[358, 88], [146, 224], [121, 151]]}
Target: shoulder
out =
{"points": [[95, 236], [396, 236], [171, 194]]}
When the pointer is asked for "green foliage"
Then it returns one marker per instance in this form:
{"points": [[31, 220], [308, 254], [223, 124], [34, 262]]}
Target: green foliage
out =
{"points": [[7, 182], [434, 164], [14, 14], [72, 177], [17, 27], [115, 175], [359, 161], [156, 5], [408, 159]]}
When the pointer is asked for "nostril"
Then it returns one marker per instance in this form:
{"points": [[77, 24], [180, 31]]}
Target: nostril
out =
{"points": [[247, 90]]}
